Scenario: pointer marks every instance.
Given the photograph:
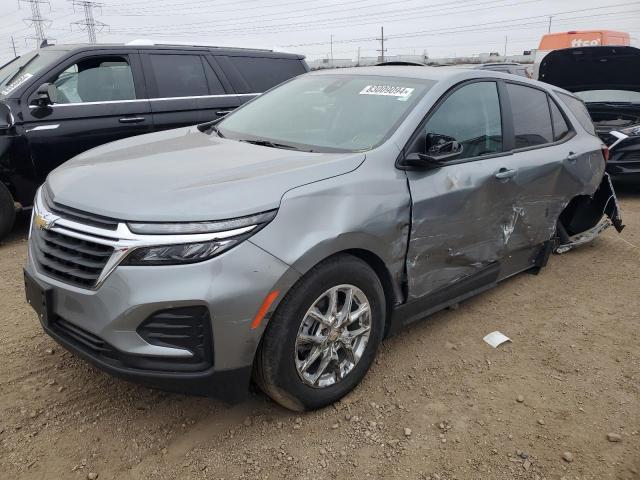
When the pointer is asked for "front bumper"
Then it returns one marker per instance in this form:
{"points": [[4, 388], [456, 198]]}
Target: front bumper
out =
{"points": [[231, 287], [624, 163]]}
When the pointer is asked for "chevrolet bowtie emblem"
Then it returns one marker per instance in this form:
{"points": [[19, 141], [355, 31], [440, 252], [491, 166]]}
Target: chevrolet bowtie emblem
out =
{"points": [[44, 221]]}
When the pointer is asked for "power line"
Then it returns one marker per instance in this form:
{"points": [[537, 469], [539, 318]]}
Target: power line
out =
{"points": [[37, 21], [88, 24]]}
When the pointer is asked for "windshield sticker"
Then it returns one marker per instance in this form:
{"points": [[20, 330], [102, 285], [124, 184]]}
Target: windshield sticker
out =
{"points": [[401, 93], [16, 83]]}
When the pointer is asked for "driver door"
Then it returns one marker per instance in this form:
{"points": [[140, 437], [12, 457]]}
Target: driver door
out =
{"points": [[461, 209], [96, 99]]}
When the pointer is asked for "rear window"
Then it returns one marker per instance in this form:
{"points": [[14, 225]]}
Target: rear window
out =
{"points": [[263, 73], [179, 75], [531, 116], [560, 126], [579, 109]]}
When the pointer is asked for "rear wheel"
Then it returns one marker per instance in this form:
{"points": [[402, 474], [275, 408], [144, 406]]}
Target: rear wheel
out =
{"points": [[324, 335], [7, 211]]}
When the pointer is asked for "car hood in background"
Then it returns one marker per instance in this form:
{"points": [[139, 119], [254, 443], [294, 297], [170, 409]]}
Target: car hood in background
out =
{"points": [[592, 68], [187, 175]]}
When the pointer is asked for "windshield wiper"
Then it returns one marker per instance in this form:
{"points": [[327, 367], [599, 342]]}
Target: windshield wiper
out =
{"points": [[7, 82], [269, 143]]}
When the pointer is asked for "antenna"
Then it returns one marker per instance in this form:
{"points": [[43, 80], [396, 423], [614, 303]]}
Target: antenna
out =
{"points": [[36, 20], [89, 24]]}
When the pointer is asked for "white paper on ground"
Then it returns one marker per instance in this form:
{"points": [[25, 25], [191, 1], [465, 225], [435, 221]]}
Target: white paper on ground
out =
{"points": [[496, 338]]}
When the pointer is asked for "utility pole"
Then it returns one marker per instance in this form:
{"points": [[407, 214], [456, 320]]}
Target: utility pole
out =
{"points": [[382, 49], [506, 39], [89, 24], [13, 44], [36, 20], [358, 64], [550, 18], [331, 41]]}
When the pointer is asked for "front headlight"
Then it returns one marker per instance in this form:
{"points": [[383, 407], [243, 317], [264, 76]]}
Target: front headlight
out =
{"points": [[209, 239], [182, 253]]}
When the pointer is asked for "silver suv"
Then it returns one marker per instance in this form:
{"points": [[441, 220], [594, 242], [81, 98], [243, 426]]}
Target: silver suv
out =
{"points": [[285, 241]]}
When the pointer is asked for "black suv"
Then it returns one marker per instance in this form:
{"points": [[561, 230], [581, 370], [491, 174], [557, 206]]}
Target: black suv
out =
{"points": [[59, 101]]}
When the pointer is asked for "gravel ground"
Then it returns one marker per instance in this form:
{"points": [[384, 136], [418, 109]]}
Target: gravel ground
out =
{"points": [[560, 402]]}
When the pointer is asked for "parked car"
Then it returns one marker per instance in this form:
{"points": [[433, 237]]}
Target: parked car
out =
{"points": [[507, 67], [59, 101], [607, 80], [288, 239]]}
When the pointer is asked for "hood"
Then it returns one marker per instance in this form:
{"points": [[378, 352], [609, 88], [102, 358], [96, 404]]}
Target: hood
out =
{"points": [[592, 68], [187, 175]]}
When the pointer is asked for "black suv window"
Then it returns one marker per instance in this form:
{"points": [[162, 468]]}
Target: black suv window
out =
{"points": [[179, 75], [579, 109], [471, 116], [531, 116], [560, 126], [95, 79], [262, 73]]}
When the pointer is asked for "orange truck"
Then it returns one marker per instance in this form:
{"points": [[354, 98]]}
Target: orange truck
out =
{"points": [[577, 38]]}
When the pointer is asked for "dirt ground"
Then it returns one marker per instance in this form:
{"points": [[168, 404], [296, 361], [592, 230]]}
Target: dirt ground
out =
{"points": [[438, 403]]}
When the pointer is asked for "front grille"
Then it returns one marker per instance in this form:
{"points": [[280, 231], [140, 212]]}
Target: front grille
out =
{"points": [[76, 215], [69, 259]]}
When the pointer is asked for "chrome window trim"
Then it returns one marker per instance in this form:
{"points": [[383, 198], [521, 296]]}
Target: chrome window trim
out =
{"points": [[135, 100], [122, 240]]}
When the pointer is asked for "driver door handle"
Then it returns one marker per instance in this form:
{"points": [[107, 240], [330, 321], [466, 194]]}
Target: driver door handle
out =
{"points": [[505, 173], [131, 120]]}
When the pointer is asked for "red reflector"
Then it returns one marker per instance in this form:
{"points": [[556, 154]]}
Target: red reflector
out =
{"points": [[605, 153], [263, 309]]}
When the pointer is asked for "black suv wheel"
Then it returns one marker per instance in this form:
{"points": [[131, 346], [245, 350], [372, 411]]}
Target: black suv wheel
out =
{"points": [[7, 211]]}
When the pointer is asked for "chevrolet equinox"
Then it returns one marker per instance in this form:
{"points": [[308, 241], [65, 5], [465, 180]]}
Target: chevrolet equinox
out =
{"points": [[285, 241]]}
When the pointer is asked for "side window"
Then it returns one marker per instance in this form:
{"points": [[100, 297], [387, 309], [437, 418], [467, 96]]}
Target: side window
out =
{"points": [[179, 75], [262, 73], [95, 79], [560, 127], [531, 116], [470, 116], [579, 109]]}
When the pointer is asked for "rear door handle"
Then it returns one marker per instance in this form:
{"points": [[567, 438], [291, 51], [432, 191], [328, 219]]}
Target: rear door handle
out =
{"points": [[572, 157], [504, 173], [132, 119]]}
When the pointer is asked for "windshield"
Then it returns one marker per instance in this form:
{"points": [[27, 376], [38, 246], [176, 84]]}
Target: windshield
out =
{"points": [[21, 69], [591, 96], [327, 112]]}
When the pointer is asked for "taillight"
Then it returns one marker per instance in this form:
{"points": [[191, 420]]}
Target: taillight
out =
{"points": [[605, 153]]}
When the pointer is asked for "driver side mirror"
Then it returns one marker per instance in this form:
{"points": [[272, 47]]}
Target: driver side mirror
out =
{"points": [[438, 150], [45, 95]]}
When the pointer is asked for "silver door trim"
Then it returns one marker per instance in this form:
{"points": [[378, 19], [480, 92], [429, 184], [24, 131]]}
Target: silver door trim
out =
{"points": [[43, 127], [161, 99]]}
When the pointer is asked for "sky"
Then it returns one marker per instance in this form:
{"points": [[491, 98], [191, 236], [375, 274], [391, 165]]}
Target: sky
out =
{"points": [[439, 28]]}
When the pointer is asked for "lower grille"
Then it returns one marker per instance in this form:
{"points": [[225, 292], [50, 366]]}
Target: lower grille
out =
{"points": [[69, 259], [101, 350]]}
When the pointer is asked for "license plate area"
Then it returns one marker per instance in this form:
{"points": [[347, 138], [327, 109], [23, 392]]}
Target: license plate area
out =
{"points": [[39, 297]]}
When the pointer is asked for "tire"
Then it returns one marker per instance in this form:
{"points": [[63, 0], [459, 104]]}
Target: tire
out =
{"points": [[7, 211], [277, 369]]}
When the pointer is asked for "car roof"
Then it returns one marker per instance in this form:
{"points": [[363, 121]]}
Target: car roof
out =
{"points": [[232, 51]]}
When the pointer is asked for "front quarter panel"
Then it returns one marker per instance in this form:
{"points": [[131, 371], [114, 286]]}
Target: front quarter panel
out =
{"points": [[366, 209]]}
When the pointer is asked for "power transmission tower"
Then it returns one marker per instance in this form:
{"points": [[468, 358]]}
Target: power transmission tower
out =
{"points": [[88, 24], [382, 50], [36, 20]]}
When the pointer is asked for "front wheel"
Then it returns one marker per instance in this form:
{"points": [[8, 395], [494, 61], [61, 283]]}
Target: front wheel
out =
{"points": [[324, 335]]}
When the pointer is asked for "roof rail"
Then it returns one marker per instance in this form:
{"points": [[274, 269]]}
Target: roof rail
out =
{"points": [[148, 42]]}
